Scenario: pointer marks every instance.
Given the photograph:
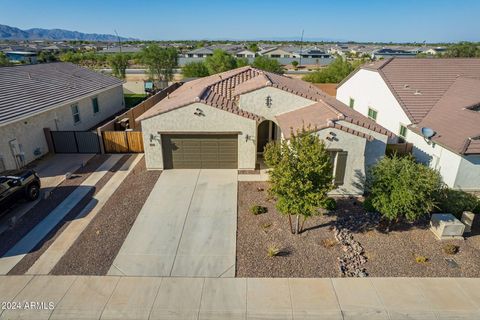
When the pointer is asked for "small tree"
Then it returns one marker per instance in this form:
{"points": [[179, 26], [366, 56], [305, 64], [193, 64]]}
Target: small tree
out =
{"points": [[4, 61], [220, 61], [295, 64], [119, 63], [300, 175], [401, 188], [195, 70], [159, 61], [268, 64]]}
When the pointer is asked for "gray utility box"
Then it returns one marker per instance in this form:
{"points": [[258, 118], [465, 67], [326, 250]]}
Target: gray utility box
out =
{"points": [[467, 219], [446, 226]]}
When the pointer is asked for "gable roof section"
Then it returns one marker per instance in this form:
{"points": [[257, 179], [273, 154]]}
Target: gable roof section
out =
{"points": [[31, 89], [457, 126], [223, 91]]}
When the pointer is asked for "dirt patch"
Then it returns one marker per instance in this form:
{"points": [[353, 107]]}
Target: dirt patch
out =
{"points": [[313, 254], [31, 257], [95, 249], [10, 237]]}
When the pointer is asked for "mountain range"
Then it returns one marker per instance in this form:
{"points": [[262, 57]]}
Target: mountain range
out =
{"points": [[12, 33]]}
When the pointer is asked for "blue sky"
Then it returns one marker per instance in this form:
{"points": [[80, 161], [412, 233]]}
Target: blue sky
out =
{"points": [[367, 20]]}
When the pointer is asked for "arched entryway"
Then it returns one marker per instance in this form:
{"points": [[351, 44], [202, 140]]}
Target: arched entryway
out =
{"points": [[267, 131]]}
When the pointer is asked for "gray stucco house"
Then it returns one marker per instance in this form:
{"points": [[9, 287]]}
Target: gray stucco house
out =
{"points": [[225, 121], [59, 96]]}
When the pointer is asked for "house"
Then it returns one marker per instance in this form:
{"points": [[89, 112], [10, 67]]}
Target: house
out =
{"points": [[408, 95], [435, 51], [22, 56], [59, 96], [245, 54], [391, 52], [314, 53], [199, 53], [225, 121], [277, 52]]}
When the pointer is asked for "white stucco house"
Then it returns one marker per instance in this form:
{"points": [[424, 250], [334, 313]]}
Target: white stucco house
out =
{"points": [[58, 96], [406, 95], [225, 121]]}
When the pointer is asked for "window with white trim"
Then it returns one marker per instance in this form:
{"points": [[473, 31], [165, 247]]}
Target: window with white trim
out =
{"points": [[75, 113]]}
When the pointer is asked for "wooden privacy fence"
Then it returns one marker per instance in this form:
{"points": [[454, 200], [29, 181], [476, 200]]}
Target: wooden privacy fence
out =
{"points": [[400, 149], [122, 141]]}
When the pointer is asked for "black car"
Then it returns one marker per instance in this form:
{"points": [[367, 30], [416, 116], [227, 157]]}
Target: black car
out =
{"points": [[16, 185]]}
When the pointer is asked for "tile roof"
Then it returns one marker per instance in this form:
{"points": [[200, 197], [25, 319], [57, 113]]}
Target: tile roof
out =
{"points": [[223, 90], [31, 89], [454, 119]]}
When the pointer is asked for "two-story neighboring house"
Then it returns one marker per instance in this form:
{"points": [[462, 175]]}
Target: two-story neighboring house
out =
{"points": [[440, 96], [225, 120], [58, 96]]}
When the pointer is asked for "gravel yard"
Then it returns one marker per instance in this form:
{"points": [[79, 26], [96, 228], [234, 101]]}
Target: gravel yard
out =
{"points": [[311, 254], [97, 246]]}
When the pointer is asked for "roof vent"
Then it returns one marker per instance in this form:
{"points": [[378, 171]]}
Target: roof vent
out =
{"points": [[406, 86], [268, 83], [29, 75], [417, 92]]}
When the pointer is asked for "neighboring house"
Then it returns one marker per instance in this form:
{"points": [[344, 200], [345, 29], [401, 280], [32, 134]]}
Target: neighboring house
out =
{"points": [[245, 54], [314, 53], [435, 51], [58, 96], [225, 121], [22, 56], [390, 53], [199, 53], [406, 95], [278, 53]]}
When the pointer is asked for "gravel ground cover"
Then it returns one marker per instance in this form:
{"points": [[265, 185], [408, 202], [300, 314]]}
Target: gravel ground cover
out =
{"points": [[31, 257], [95, 249], [315, 254], [45, 206]]}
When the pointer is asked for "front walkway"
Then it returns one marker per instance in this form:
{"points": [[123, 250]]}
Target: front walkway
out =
{"points": [[187, 227], [113, 297]]}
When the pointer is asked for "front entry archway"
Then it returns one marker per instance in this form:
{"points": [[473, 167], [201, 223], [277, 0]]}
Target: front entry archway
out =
{"points": [[267, 131]]}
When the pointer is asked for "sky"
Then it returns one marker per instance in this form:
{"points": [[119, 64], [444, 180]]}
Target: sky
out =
{"points": [[347, 20]]}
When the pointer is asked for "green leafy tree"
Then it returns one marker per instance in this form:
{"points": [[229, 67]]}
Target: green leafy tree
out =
{"points": [[242, 62], [295, 64], [402, 189], [463, 50], [335, 72], [119, 63], [4, 61], [300, 176], [159, 61], [253, 47], [46, 56], [220, 61], [268, 64], [195, 70]]}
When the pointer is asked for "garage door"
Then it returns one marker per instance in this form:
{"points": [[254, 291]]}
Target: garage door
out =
{"points": [[192, 151]]}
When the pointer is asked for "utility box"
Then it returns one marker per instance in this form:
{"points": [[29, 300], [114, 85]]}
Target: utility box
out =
{"points": [[467, 219], [446, 226]]}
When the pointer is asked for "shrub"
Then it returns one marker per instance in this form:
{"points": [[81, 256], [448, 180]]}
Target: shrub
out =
{"points": [[328, 243], [329, 204], [368, 206], [267, 64], [195, 70], [273, 251], [256, 209], [457, 201], [421, 259], [401, 188], [450, 248]]}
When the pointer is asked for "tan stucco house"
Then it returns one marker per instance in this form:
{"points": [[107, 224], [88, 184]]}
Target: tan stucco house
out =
{"points": [[225, 121], [56, 96]]}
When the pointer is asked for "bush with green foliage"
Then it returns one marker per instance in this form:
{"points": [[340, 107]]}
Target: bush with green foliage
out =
{"points": [[300, 175], [220, 61], [329, 204], [256, 209], [4, 61], [119, 63], [463, 50], [195, 70], [402, 189], [159, 61], [295, 64], [457, 201], [335, 72], [268, 64]]}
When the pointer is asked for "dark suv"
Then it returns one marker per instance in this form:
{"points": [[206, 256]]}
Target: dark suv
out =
{"points": [[16, 185]]}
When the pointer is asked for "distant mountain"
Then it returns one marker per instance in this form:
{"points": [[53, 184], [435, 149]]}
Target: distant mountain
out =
{"points": [[12, 33]]}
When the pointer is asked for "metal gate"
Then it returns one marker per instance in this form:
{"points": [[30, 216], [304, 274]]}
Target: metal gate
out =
{"points": [[75, 142]]}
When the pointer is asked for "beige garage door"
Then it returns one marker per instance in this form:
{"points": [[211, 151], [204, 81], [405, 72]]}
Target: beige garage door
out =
{"points": [[197, 151]]}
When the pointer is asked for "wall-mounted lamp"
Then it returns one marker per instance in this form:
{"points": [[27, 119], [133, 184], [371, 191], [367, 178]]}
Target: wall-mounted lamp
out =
{"points": [[268, 101], [249, 137], [199, 112]]}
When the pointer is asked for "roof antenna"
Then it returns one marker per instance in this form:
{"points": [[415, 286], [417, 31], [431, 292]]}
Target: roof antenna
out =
{"points": [[301, 48], [119, 42]]}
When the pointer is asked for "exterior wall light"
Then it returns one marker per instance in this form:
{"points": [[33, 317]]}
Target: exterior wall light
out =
{"points": [[199, 112], [268, 101]]}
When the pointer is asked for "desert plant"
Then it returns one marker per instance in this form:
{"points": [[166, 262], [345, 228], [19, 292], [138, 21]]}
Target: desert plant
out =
{"points": [[329, 243], [329, 204], [421, 259], [450, 248], [266, 225], [273, 251], [300, 175], [401, 188], [256, 209]]}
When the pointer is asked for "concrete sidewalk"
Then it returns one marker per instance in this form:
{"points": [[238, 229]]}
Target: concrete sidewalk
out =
{"points": [[113, 297]]}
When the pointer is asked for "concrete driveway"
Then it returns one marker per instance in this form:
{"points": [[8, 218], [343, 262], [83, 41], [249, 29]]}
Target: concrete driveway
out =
{"points": [[187, 227]]}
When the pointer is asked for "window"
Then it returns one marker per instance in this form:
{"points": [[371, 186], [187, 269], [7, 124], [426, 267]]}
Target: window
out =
{"points": [[351, 103], [95, 106], [403, 131], [372, 114], [75, 114], [339, 164]]}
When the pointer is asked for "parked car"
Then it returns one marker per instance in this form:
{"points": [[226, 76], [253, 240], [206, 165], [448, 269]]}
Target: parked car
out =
{"points": [[17, 185]]}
